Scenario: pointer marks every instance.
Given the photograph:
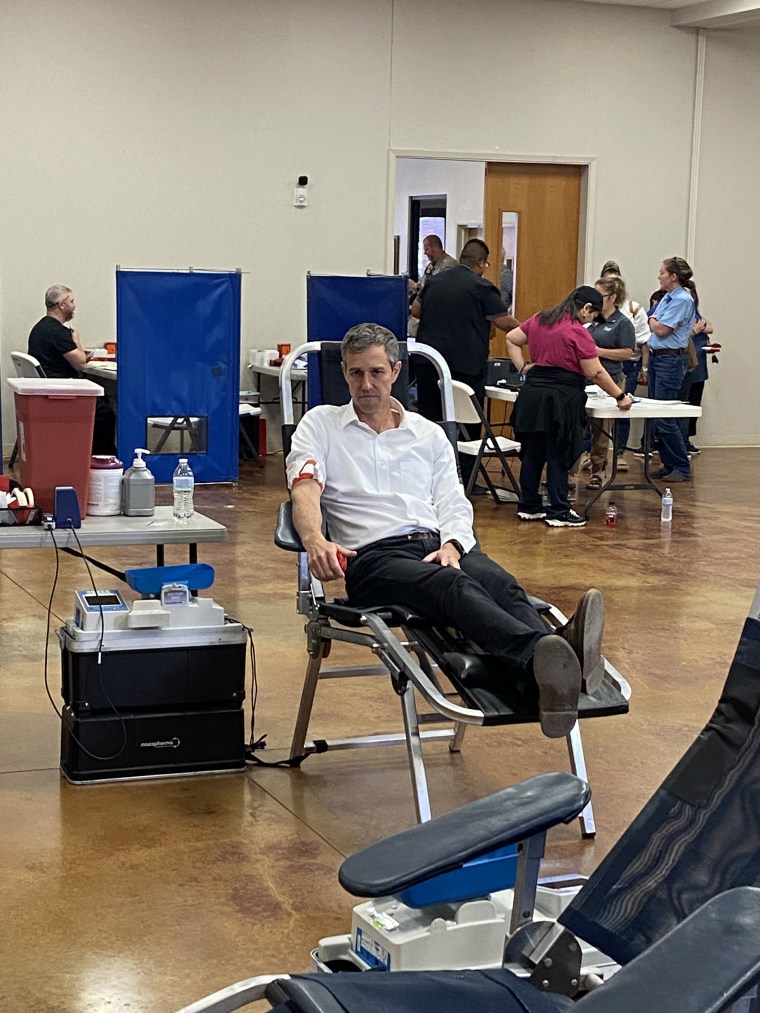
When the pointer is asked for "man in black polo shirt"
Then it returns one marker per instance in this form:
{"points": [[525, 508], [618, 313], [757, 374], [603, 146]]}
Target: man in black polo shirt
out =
{"points": [[60, 353], [456, 309]]}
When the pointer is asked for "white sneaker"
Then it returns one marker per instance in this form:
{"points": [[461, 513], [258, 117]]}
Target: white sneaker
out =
{"points": [[525, 516], [569, 520]]}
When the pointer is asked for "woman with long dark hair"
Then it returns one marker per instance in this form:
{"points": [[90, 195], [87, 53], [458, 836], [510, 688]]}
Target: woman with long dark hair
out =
{"points": [[549, 416]]}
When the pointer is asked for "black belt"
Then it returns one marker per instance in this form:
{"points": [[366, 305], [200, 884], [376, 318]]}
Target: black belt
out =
{"points": [[411, 536], [667, 351]]}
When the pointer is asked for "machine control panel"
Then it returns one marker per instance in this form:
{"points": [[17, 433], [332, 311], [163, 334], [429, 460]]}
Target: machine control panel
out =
{"points": [[95, 606]]}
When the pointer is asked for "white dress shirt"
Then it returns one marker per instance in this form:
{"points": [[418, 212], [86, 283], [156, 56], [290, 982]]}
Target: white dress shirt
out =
{"points": [[380, 485]]}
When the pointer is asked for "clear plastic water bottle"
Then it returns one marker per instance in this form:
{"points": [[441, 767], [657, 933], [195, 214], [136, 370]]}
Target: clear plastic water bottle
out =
{"points": [[183, 484], [666, 514], [611, 515]]}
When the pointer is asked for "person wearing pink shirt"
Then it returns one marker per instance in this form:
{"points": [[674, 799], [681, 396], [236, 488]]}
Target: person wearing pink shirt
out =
{"points": [[549, 416]]}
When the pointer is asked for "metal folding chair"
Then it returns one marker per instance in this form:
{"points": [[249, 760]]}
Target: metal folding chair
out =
{"points": [[468, 412]]}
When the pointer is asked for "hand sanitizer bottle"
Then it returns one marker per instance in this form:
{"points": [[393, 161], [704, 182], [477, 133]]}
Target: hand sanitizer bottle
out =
{"points": [[139, 488]]}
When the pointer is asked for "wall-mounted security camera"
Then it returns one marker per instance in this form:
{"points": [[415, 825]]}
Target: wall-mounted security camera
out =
{"points": [[303, 180]]}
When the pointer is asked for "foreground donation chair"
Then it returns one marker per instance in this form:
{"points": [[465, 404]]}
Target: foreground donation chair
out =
{"points": [[412, 651], [675, 902], [703, 966]]}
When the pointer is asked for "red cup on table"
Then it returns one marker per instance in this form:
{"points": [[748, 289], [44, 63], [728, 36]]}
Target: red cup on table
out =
{"points": [[283, 350], [110, 347]]}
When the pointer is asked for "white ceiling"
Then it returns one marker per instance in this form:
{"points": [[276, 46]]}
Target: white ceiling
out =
{"points": [[687, 14]]}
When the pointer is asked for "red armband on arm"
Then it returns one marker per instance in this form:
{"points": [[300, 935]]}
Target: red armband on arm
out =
{"points": [[309, 471]]}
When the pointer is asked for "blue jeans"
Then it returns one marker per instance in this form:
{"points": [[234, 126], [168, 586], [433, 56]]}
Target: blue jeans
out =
{"points": [[666, 375]]}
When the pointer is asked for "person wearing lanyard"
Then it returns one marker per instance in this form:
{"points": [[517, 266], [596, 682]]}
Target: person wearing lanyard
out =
{"points": [[671, 325]]}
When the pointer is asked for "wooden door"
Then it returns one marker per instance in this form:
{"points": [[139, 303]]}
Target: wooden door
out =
{"points": [[546, 200]]}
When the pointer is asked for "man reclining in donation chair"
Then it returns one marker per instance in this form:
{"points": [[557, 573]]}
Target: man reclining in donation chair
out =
{"points": [[385, 482]]}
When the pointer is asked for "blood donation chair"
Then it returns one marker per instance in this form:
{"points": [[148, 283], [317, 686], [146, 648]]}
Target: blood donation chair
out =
{"points": [[674, 905], [412, 651]]}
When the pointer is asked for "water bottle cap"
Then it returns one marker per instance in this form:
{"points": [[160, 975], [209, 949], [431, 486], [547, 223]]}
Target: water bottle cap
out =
{"points": [[183, 460]]}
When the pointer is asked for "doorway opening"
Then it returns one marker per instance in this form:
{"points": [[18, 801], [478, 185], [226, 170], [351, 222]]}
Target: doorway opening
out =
{"points": [[427, 217]]}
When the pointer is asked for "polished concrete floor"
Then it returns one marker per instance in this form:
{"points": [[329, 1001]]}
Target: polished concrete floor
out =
{"points": [[143, 896]]}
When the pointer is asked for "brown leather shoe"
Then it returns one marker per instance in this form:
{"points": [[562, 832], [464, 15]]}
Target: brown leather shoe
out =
{"points": [[557, 672], [584, 632]]}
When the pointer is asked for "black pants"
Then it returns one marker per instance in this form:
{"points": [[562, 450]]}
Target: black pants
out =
{"points": [[481, 599], [696, 390], [104, 431], [535, 452]]}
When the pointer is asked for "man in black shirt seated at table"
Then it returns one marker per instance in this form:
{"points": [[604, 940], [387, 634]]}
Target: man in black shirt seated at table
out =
{"points": [[57, 347], [60, 353]]}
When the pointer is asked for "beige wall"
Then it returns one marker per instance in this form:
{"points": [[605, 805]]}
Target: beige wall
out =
{"points": [[171, 133], [561, 81], [461, 181], [166, 133], [728, 232]]}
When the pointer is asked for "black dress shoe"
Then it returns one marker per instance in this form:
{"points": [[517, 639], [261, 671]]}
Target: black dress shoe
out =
{"points": [[584, 632], [557, 672]]}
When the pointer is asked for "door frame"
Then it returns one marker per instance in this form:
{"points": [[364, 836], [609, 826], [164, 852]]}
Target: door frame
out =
{"points": [[587, 212], [415, 214]]}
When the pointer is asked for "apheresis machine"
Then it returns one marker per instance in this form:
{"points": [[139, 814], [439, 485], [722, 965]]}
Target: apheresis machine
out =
{"points": [[153, 686]]}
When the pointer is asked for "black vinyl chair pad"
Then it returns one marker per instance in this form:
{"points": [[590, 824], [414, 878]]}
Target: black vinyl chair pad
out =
{"points": [[429, 849]]}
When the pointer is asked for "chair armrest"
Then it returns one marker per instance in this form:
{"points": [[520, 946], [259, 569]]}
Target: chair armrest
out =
{"points": [[703, 965], [444, 843], [285, 534], [304, 995]]}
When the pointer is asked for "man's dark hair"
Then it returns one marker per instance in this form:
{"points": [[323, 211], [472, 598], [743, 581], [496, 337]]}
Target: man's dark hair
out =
{"points": [[433, 240], [364, 336], [473, 251]]}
